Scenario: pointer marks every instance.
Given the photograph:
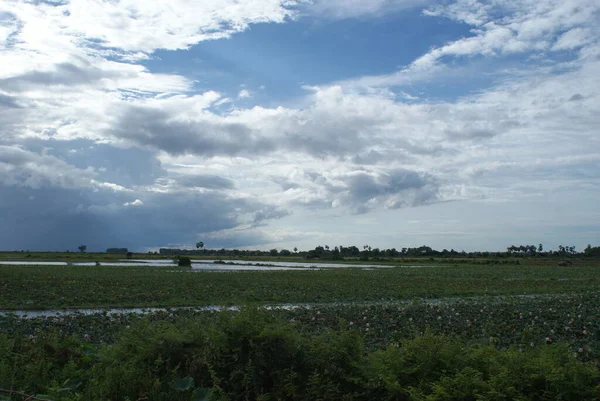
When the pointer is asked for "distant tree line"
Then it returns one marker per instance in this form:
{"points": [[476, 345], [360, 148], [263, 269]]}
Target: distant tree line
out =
{"points": [[117, 250], [327, 252]]}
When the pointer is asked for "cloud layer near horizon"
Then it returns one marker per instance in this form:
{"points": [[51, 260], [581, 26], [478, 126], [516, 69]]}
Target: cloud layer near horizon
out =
{"points": [[96, 144]]}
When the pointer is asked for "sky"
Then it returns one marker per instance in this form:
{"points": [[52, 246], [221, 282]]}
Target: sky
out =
{"points": [[263, 124]]}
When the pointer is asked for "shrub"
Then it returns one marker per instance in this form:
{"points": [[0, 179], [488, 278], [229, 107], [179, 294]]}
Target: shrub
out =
{"points": [[251, 355], [184, 261]]}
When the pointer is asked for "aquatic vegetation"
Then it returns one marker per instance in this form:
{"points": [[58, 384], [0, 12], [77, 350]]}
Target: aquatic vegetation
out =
{"points": [[49, 287], [437, 333]]}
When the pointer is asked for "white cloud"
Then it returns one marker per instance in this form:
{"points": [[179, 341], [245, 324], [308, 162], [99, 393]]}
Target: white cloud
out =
{"points": [[136, 202], [244, 94], [529, 25], [150, 25], [574, 38], [500, 28], [109, 185], [66, 58]]}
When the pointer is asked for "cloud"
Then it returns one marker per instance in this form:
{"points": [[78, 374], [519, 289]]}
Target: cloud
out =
{"points": [[150, 25], [363, 190], [269, 213], [244, 94], [574, 38], [576, 97], [207, 135], [50, 218], [9, 101], [21, 167], [136, 202], [205, 181], [124, 155], [524, 27], [499, 29]]}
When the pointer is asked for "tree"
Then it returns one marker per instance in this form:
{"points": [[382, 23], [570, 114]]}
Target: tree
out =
{"points": [[82, 248], [295, 250], [199, 245], [540, 248]]}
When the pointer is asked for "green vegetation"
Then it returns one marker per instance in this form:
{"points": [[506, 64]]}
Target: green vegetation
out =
{"points": [[485, 331], [44, 287], [184, 261], [254, 355]]}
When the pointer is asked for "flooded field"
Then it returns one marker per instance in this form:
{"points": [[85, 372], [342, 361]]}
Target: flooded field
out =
{"points": [[209, 264]]}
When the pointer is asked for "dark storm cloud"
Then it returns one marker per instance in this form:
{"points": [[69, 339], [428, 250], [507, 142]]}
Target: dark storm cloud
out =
{"points": [[123, 166], [269, 213], [153, 127], [363, 190], [576, 97], [60, 219], [24, 168], [61, 195], [9, 102], [216, 135], [47, 219]]}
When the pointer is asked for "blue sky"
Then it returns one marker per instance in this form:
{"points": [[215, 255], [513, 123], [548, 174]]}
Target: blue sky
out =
{"points": [[278, 124], [308, 51]]}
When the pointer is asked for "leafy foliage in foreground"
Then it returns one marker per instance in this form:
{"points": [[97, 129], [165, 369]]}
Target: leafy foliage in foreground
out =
{"points": [[253, 355]]}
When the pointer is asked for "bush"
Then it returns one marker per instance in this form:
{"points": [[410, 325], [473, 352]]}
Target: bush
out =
{"points": [[184, 261], [251, 355]]}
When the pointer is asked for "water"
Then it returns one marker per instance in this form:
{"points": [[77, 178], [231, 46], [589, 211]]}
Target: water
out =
{"points": [[286, 264], [115, 312], [58, 313], [114, 264], [220, 267], [209, 265]]}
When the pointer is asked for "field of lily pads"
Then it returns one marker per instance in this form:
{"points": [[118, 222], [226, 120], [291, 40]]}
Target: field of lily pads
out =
{"points": [[50, 287]]}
